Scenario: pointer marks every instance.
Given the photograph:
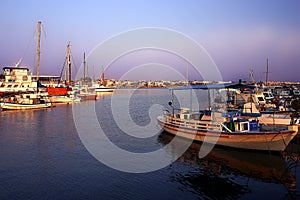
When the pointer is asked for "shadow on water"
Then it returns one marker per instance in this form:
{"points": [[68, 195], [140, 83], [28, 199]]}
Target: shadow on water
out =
{"points": [[218, 175]]}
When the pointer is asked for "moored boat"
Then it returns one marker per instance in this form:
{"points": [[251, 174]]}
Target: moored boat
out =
{"points": [[85, 93], [103, 88], [219, 127], [236, 133], [64, 99], [25, 102]]}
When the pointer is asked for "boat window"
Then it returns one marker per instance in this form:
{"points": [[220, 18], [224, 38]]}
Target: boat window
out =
{"points": [[244, 126], [266, 94], [260, 98]]}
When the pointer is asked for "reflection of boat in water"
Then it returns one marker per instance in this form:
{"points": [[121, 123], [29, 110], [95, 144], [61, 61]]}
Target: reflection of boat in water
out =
{"points": [[222, 163]]}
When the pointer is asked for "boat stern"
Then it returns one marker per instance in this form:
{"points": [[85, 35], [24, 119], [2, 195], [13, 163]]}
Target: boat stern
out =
{"points": [[293, 128]]}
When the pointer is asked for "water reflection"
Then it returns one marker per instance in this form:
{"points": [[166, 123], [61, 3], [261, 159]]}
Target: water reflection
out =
{"points": [[225, 173]]}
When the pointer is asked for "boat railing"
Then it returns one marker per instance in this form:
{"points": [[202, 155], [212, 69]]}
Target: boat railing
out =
{"points": [[195, 124]]}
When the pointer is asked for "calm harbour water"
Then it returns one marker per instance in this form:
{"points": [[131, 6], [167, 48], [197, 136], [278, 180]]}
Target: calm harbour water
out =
{"points": [[42, 157]]}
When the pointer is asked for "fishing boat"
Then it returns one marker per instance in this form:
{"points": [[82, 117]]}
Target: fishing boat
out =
{"points": [[255, 104], [220, 127], [86, 94], [25, 102]]}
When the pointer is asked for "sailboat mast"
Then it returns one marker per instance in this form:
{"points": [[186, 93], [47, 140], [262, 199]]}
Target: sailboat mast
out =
{"points": [[84, 67], [251, 75], [38, 51], [267, 71], [102, 76], [94, 73], [69, 63]]}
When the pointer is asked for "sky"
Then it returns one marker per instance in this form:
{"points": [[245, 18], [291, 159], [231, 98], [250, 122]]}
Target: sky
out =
{"points": [[238, 35]]}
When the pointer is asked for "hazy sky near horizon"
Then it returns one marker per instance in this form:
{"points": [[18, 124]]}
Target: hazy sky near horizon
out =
{"points": [[238, 35]]}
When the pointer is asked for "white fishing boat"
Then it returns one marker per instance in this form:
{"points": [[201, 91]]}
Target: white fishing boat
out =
{"points": [[224, 128], [25, 102]]}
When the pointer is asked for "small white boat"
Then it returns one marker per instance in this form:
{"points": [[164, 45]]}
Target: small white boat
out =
{"points": [[64, 99], [85, 93], [103, 88], [25, 102]]}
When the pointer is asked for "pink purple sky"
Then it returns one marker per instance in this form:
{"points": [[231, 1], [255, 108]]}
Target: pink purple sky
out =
{"points": [[238, 35]]}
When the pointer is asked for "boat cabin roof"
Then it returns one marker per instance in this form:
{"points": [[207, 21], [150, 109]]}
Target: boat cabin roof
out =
{"points": [[12, 68]]}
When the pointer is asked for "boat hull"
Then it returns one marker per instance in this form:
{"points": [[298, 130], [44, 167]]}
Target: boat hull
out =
{"points": [[15, 106], [263, 141], [104, 89], [63, 99], [86, 97]]}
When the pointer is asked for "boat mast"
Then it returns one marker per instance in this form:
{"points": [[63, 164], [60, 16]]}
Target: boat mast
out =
{"points": [[69, 73], [94, 73], [38, 51], [102, 80], [251, 75], [267, 71], [84, 67]]}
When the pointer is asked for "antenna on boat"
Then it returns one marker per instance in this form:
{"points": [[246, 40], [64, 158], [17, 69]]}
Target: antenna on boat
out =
{"points": [[19, 62]]}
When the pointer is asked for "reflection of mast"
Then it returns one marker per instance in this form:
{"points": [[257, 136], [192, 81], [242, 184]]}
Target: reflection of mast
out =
{"points": [[38, 51]]}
